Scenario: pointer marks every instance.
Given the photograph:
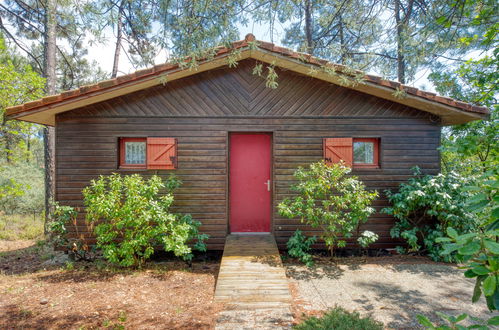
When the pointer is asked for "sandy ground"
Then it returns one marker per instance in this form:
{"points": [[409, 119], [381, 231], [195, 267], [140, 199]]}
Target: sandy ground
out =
{"points": [[38, 290], [391, 292]]}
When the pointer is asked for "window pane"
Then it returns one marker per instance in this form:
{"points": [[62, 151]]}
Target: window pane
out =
{"points": [[135, 152], [363, 152]]}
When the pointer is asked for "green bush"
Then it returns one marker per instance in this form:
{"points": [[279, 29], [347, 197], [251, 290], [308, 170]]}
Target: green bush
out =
{"points": [[425, 207], [479, 250], [339, 319], [299, 247], [331, 200], [132, 218], [367, 238], [64, 216]]}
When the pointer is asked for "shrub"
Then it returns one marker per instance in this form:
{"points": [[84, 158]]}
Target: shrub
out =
{"points": [[479, 251], [58, 229], [132, 218], [339, 319], [299, 247], [330, 200], [367, 238], [425, 207]]}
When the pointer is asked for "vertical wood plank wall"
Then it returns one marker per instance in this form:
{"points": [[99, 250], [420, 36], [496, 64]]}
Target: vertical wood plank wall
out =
{"points": [[200, 111]]}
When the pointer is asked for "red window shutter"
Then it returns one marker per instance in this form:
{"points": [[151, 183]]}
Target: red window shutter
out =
{"points": [[337, 149], [161, 153]]}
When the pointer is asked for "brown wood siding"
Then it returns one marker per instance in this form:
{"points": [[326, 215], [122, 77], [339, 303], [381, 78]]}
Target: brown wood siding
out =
{"points": [[200, 111]]}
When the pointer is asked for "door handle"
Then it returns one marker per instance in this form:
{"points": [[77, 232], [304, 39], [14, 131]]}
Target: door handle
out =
{"points": [[268, 185]]}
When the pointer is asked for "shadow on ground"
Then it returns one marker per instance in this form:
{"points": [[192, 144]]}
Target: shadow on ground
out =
{"points": [[404, 304], [299, 272], [14, 317], [41, 257]]}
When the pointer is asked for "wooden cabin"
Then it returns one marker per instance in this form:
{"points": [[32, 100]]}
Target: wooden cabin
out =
{"points": [[235, 143]]}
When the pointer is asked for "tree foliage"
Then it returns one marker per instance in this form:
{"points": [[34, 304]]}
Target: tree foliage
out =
{"points": [[331, 200], [131, 218], [19, 83]]}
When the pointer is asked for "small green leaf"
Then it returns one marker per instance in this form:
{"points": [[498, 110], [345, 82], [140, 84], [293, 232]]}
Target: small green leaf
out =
{"points": [[477, 326], [423, 320], [449, 248], [461, 317], [481, 270], [470, 273], [489, 285], [469, 249], [490, 303], [495, 299], [491, 246], [495, 213], [452, 232], [477, 290], [493, 320], [465, 237]]}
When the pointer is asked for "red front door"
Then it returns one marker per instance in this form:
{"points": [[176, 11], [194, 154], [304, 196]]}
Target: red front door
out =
{"points": [[249, 180]]}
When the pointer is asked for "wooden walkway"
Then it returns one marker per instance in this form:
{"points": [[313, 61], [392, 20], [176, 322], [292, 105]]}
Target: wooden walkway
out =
{"points": [[252, 284]]}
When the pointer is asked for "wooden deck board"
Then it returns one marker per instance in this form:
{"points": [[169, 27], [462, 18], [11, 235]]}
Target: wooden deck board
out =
{"points": [[251, 274]]}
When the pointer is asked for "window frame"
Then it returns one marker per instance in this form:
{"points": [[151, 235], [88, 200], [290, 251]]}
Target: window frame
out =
{"points": [[375, 142], [122, 153]]}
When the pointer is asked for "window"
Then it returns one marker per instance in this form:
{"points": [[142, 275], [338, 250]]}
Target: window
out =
{"points": [[155, 153], [355, 152], [133, 152], [365, 152]]}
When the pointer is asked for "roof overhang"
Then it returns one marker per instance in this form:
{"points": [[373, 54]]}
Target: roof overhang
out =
{"points": [[44, 111]]}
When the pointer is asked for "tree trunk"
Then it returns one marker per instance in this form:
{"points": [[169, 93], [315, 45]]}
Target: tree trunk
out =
{"points": [[308, 26], [28, 147], [8, 147], [400, 44], [49, 65], [119, 37], [342, 41]]}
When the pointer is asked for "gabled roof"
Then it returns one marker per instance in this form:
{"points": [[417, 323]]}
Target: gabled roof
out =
{"points": [[43, 111]]}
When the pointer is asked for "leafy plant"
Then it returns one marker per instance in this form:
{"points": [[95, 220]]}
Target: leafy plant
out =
{"points": [[367, 238], [132, 218], [479, 251], [64, 216], [330, 200], [339, 319], [299, 247], [425, 207], [453, 322]]}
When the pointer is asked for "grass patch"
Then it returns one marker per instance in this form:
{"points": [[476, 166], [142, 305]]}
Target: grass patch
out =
{"points": [[340, 319], [20, 227]]}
